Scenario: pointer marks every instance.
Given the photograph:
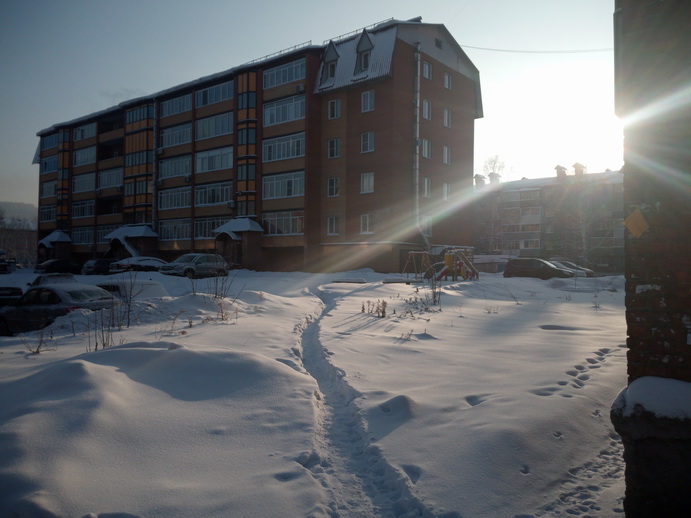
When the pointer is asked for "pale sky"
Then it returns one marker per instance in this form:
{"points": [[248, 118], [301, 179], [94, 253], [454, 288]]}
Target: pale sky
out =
{"points": [[62, 59]]}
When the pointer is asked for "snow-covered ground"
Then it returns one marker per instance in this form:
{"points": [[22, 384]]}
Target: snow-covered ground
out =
{"points": [[293, 395]]}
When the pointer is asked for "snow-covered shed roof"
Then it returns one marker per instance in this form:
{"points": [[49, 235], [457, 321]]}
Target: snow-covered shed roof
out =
{"points": [[56, 236]]}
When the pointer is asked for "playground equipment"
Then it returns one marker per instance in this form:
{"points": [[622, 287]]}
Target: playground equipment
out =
{"points": [[457, 263]]}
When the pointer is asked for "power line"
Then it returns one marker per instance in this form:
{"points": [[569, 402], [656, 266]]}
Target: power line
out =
{"points": [[579, 51]]}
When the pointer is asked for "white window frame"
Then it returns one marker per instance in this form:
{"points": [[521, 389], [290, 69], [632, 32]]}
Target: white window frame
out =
{"points": [[215, 126], [177, 105], [214, 160], [333, 226], [48, 189], [84, 132], [176, 135], [447, 117], [284, 223], [367, 101], [427, 70], [448, 81], [177, 198], [110, 177], [84, 156], [366, 224], [446, 155], [283, 148], [49, 164], [334, 109], [427, 109], [426, 187], [367, 142], [284, 185], [446, 191], [426, 148], [366, 183], [213, 194], [214, 94], [82, 235], [84, 182], [284, 110], [83, 209], [174, 229], [333, 187], [282, 74], [333, 148], [204, 227], [175, 166], [47, 213]]}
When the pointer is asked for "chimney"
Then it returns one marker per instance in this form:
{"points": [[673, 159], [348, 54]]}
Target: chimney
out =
{"points": [[579, 169], [479, 180], [561, 171]]}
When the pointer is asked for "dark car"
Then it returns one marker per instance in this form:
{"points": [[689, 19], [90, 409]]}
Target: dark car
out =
{"points": [[41, 305], [9, 294], [197, 265], [58, 266], [533, 267], [97, 267]]}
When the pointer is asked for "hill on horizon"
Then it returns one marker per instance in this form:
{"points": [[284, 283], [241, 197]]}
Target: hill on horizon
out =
{"points": [[19, 210]]}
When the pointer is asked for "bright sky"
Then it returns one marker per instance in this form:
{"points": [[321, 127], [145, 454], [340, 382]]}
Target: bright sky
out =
{"points": [[63, 59]]}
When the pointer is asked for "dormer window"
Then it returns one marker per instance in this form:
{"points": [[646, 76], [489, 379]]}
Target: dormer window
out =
{"points": [[331, 70], [330, 62], [364, 53]]}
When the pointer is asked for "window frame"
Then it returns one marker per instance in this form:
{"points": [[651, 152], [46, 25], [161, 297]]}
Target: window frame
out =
{"points": [[367, 142], [366, 183], [367, 101]]}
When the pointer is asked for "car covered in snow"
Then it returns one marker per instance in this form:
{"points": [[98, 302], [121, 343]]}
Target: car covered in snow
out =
{"points": [[41, 305], [197, 265], [137, 264], [534, 267]]}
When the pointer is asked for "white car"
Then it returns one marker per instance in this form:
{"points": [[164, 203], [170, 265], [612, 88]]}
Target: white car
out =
{"points": [[137, 264]]}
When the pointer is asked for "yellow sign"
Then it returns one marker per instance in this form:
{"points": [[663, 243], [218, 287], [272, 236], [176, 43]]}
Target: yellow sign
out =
{"points": [[636, 223]]}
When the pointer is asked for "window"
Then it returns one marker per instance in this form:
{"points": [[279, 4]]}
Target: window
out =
{"points": [[50, 141], [48, 188], [83, 209], [334, 148], [367, 142], [283, 148], [447, 81], [331, 70], [84, 132], [333, 227], [286, 185], [137, 187], [214, 159], [284, 110], [427, 187], [213, 194], [334, 109], [47, 213], [140, 114], [426, 148], [367, 182], [447, 117], [333, 188], [533, 227], [427, 109], [247, 136], [530, 211], [110, 177], [284, 222], [247, 100], [176, 135], [367, 101], [177, 166], [247, 172], [294, 71], [49, 165], [530, 243], [174, 198], [214, 126], [139, 158], [363, 60], [84, 182], [446, 191], [204, 227], [172, 229], [82, 235], [446, 155], [214, 94], [102, 231], [366, 223], [178, 105], [84, 156], [426, 70], [426, 225], [245, 208]]}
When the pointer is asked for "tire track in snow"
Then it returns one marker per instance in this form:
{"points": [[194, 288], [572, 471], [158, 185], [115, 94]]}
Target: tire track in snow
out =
{"points": [[359, 480]]}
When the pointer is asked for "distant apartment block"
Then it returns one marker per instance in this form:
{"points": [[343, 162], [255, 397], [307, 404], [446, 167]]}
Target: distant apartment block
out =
{"points": [[323, 157], [579, 217]]}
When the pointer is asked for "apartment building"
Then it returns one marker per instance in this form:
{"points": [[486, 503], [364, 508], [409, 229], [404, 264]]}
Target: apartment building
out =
{"points": [[577, 216], [323, 157]]}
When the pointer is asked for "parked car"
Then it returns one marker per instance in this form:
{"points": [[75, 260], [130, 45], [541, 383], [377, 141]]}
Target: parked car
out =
{"points": [[9, 294], [137, 264], [58, 266], [586, 272], [97, 266], [51, 278], [197, 265], [533, 267], [41, 305], [138, 289]]}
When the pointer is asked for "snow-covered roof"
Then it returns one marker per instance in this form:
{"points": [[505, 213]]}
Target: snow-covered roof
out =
{"points": [[56, 236], [238, 225], [131, 231], [531, 184]]}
